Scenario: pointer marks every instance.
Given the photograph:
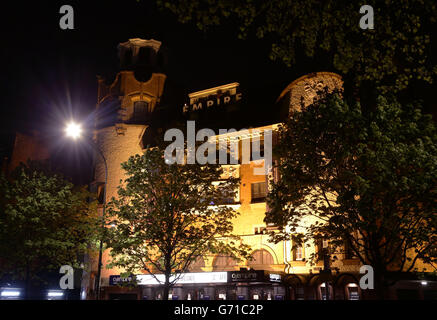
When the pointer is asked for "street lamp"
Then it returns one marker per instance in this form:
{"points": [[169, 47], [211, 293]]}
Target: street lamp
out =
{"points": [[74, 131]]}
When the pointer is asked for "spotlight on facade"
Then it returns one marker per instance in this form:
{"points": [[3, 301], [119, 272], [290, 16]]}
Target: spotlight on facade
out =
{"points": [[73, 130]]}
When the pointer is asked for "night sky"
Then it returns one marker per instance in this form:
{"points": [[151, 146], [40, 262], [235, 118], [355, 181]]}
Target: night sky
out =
{"points": [[49, 74]]}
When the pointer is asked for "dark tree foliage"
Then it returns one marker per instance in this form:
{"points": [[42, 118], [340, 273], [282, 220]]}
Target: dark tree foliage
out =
{"points": [[389, 57], [45, 222], [364, 179]]}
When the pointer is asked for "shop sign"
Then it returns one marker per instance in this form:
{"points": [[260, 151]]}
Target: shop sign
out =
{"points": [[246, 276], [117, 280], [203, 277], [185, 278], [273, 277]]}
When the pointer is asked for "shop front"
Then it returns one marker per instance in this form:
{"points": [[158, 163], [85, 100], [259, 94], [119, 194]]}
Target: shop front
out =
{"points": [[231, 285]]}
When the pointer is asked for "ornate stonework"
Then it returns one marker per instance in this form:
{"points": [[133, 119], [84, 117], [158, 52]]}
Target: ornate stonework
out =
{"points": [[307, 89]]}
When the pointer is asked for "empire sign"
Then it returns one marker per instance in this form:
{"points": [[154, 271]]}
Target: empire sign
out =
{"points": [[214, 97]]}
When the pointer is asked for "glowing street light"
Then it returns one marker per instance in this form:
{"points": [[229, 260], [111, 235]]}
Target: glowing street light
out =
{"points": [[73, 130]]}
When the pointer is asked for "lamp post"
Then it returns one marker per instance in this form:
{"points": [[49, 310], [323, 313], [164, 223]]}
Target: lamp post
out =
{"points": [[74, 131]]}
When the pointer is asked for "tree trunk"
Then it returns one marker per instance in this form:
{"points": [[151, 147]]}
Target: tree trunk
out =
{"points": [[380, 286], [166, 286]]}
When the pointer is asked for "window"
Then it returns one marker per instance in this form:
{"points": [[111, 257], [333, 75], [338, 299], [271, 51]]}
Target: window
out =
{"points": [[261, 257], [257, 153], [259, 191], [348, 252], [322, 247], [353, 293], [325, 292], [140, 111], [198, 263], [223, 261], [298, 253], [260, 230]]}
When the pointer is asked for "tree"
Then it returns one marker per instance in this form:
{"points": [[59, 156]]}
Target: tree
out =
{"points": [[394, 54], [168, 215], [364, 179], [45, 222]]}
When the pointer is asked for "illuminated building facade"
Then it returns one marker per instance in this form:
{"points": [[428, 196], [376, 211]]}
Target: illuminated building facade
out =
{"points": [[130, 110]]}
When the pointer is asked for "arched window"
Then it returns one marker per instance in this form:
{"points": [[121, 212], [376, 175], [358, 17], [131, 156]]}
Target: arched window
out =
{"points": [[140, 111], [223, 261], [198, 263], [261, 257]]}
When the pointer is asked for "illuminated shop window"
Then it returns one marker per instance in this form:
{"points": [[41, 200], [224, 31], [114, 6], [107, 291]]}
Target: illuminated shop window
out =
{"points": [[324, 291], [353, 292]]}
